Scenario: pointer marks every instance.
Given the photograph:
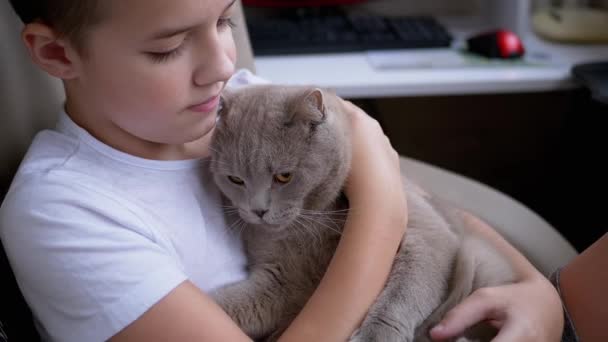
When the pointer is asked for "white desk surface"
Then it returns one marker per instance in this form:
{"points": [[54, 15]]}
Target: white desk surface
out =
{"points": [[353, 76]]}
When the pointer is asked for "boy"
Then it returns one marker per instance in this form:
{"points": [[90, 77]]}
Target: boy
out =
{"points": [[113, 228]]}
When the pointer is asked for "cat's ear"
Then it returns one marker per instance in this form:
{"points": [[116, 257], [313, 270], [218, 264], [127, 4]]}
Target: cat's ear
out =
{"points": [[310, 107], [316, 100]]}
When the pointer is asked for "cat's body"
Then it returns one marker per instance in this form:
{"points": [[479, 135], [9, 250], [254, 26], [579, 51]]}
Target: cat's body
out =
{"points": [[281, 155]]}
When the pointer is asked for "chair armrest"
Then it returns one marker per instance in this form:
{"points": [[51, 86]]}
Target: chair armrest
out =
{"points": [[534, 237]]}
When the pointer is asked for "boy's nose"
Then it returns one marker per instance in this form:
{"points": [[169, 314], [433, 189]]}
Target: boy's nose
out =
{"points": [[217, 62]]}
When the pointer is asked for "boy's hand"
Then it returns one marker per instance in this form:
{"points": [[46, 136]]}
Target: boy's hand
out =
{"points": [[527, 310]]}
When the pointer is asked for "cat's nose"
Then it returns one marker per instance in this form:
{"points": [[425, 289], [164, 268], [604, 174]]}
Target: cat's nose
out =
{"points": [[260, 212]]}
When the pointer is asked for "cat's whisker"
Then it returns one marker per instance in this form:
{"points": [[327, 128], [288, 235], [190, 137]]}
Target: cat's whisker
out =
{"points": [[334, 227], [231, 213], [318, 221], [325, 216], [242, 226], [325, 211], [299, 228], [235, 224], [308, 230], [331, 217], [302, 225], [228, 209], [336, 222], [343, 212], [214, 150], [334, 219], [237, 228]]}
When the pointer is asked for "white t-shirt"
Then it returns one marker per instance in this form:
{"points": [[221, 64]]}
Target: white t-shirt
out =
{"points": [[96, 237]]}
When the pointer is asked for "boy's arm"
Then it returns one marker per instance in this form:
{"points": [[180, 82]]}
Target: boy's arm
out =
{"points": [[583, 285], [527, 310], [185, 314], [372, 234]]}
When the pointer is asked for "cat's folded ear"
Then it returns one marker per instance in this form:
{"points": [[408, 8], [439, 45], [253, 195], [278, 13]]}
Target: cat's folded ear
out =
{"points": [[309, 107]]}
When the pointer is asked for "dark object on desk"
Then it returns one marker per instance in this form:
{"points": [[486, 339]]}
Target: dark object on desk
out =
{"points": [[595, 77], [331, 30], [496, 44]]}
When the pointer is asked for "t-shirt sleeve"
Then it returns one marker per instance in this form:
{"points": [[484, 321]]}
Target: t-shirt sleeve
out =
{"points": [[87, 264]]}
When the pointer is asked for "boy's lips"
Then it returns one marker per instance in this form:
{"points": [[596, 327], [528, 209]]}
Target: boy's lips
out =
{"points": [[207, 106]]}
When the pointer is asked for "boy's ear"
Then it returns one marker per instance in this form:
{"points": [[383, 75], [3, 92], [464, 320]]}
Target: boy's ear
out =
{"points": [[50, 52]]}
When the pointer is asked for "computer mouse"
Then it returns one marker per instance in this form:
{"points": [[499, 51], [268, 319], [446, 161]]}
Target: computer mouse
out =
{"points": [[496, 44]]}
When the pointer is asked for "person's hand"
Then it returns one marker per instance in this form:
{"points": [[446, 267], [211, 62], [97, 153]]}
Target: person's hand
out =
{"points": [[527, 310], [375, 175]]}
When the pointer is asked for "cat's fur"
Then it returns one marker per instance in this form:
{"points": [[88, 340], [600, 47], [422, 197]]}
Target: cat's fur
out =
{"points": [[268, 130]]}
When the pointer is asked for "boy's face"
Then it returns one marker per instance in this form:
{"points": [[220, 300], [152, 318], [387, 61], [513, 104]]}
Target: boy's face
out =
{"points": [[153, 72]]}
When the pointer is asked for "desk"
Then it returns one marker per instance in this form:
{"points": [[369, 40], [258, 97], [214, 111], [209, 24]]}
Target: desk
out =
{"points": [[352, 75]]}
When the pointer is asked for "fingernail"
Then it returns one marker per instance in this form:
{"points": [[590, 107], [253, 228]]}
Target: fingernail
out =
{"points": [[437, 328]]}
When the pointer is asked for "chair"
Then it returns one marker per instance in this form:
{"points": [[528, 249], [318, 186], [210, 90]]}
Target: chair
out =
{"points": [[30, 100]]}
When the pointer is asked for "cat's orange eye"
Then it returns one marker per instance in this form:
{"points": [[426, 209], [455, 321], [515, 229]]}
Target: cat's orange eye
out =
{"points": [[283, 177], [236, 180]]}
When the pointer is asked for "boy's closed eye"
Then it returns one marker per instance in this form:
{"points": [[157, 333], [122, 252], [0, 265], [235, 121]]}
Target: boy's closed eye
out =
{"points": [[184, 35], [163, 56]]}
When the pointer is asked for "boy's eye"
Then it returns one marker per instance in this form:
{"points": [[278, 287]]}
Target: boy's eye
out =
{"points": [[236, 180], [160, 57], [226, 22], [283, 178], [164, 56]]}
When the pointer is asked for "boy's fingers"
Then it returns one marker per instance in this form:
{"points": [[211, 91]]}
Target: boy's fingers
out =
{"points": [[506, 335], [479, 306], [510, 332]]}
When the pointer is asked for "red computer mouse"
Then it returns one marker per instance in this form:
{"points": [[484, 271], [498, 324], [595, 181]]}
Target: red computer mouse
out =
{"points": [[496, 44]]}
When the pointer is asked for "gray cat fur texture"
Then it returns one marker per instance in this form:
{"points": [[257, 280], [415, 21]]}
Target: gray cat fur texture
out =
{"points": [[280, 156]]}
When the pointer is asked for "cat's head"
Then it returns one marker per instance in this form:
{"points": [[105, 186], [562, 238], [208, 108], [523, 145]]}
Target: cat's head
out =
{"points": [[277, 150]]}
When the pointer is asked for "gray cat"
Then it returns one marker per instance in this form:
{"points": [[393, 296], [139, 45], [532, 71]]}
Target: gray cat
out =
{"points": [[280, 155]]}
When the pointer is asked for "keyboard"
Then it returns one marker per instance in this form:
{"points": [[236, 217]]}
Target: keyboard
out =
{"points": [[319, 30]]}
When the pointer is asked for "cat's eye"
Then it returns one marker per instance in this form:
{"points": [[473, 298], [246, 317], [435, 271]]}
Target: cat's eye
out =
{"points": [[283, 178], [236, 180]]}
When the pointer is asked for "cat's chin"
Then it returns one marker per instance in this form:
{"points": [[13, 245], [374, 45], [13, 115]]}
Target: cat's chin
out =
{"points": [[271, 228], [277, 224]]}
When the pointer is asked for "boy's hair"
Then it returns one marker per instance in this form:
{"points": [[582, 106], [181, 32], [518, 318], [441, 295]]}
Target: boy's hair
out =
{"points": [[69, 18]]}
